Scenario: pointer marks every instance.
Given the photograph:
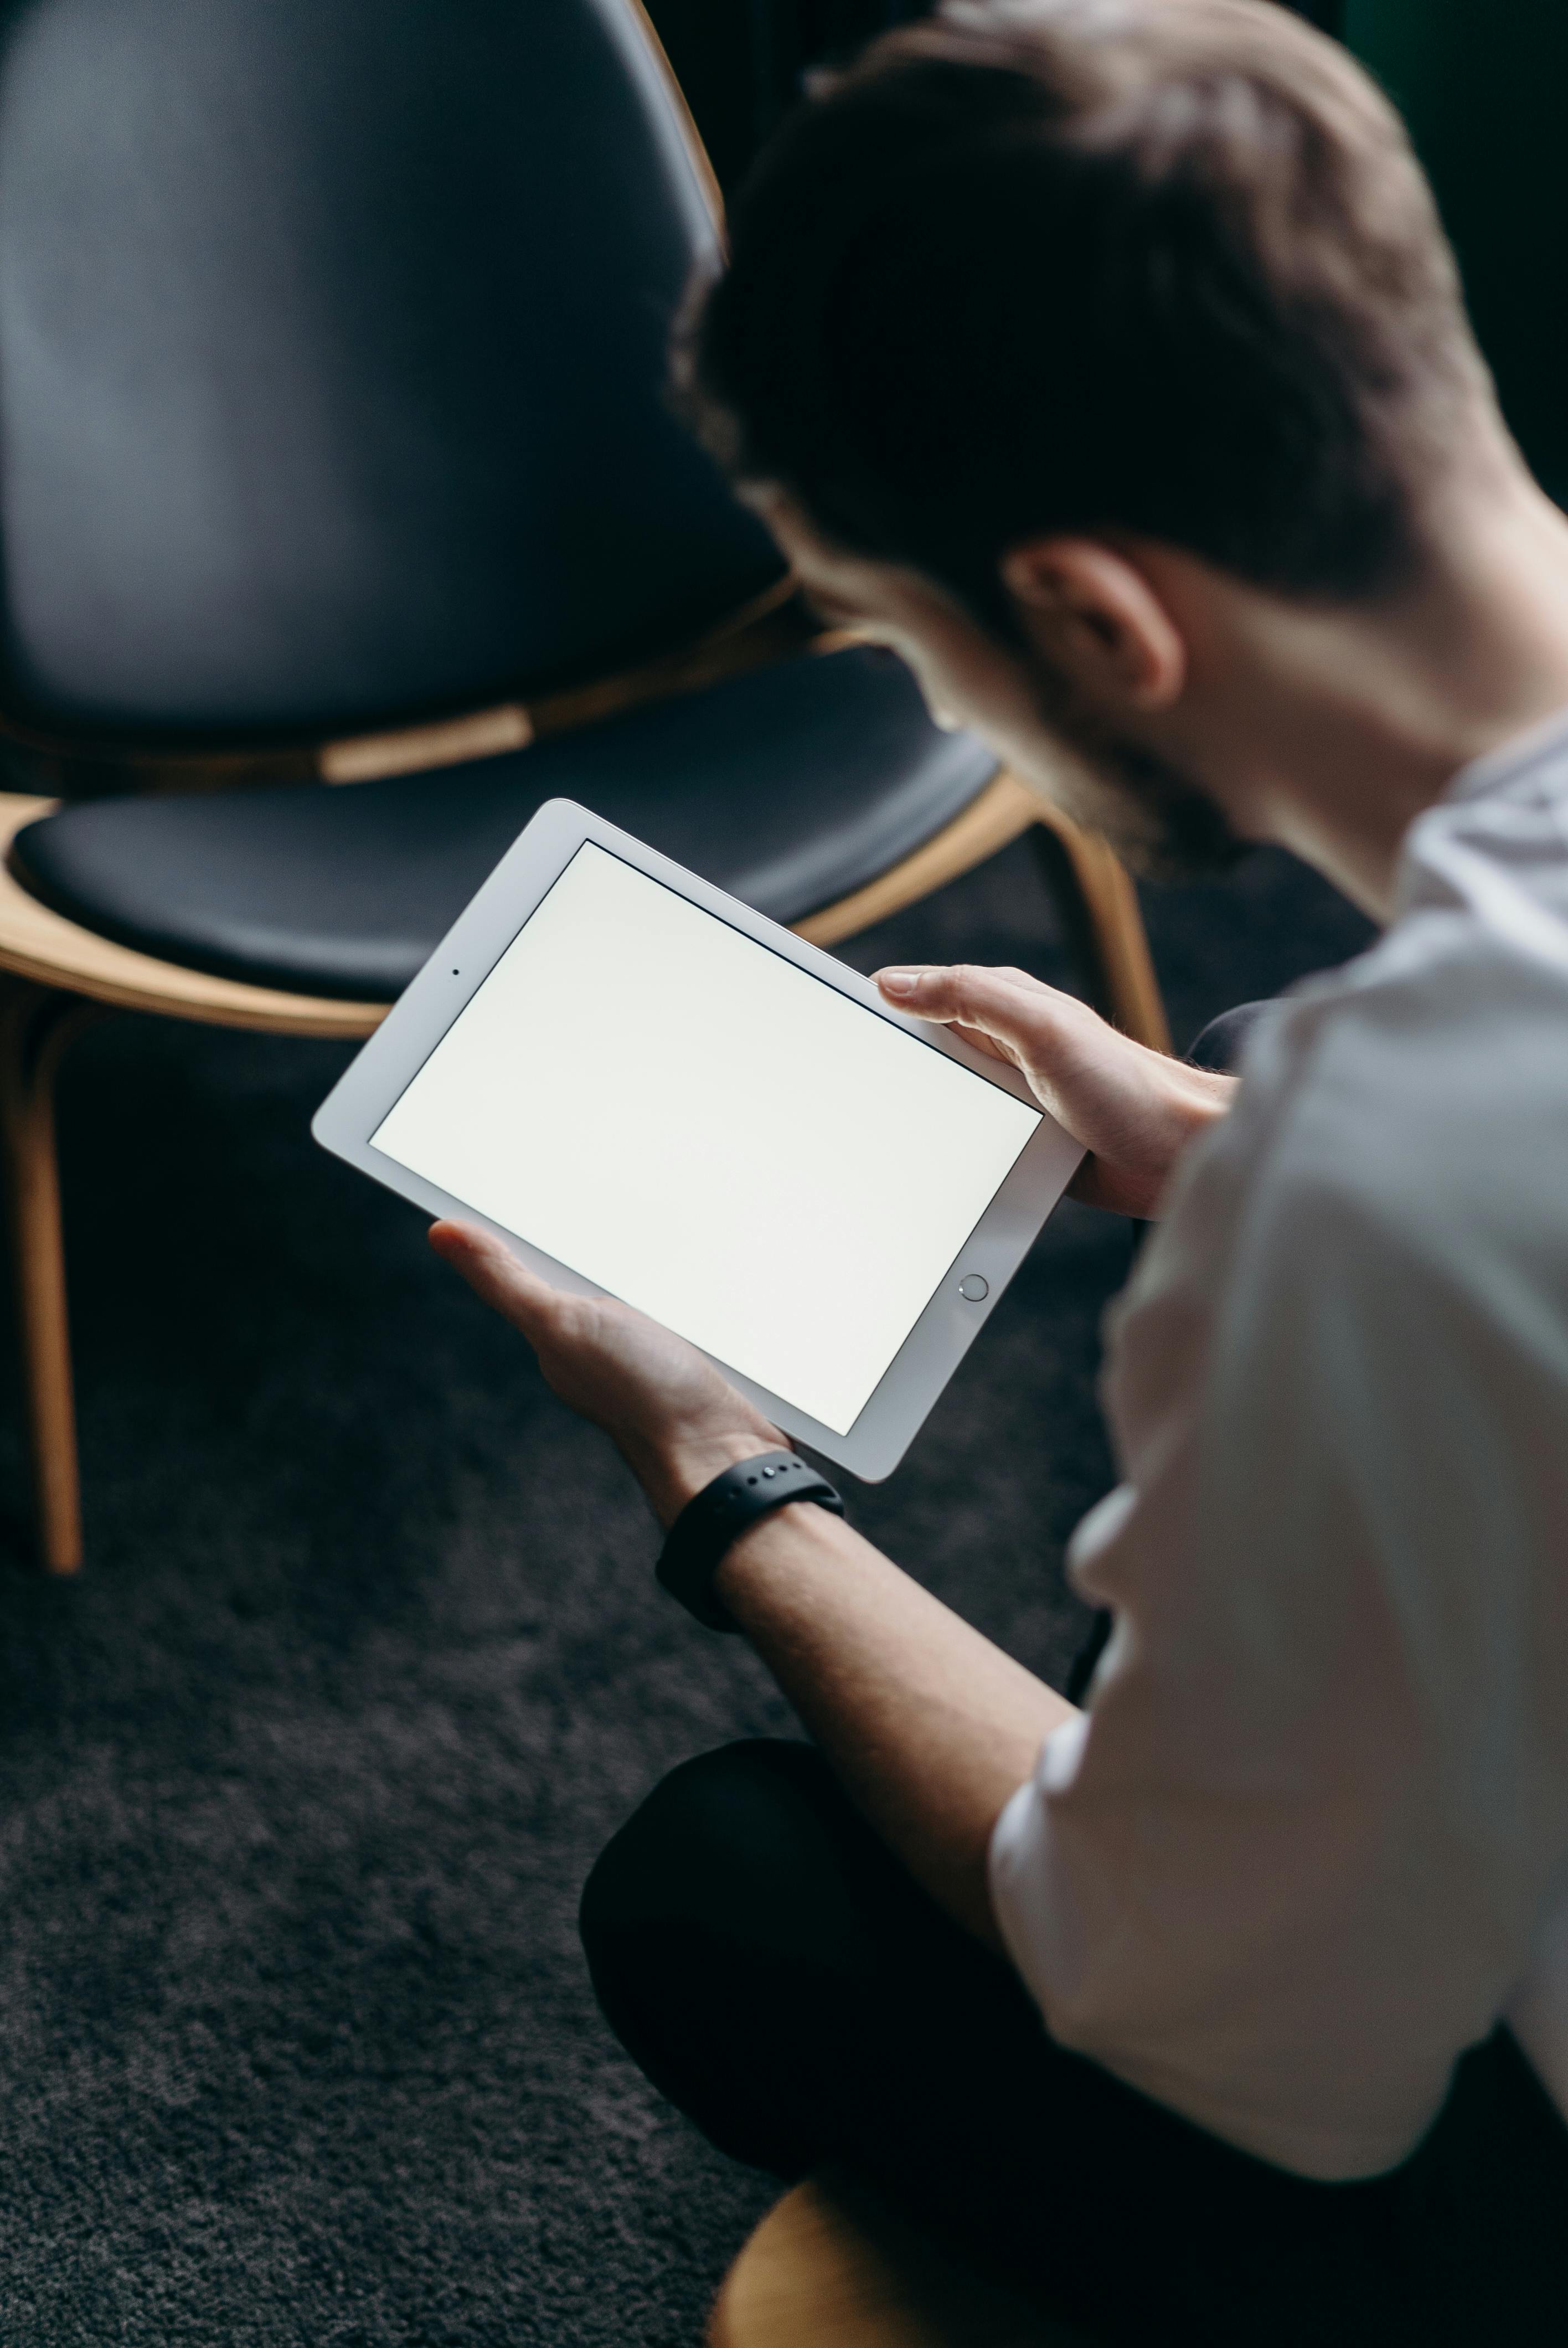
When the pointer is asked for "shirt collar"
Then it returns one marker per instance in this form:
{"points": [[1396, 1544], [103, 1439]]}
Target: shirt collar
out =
{"points": [[1494, 767]]}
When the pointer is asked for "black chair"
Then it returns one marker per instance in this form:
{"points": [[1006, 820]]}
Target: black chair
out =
{"points": [[345, 523]]}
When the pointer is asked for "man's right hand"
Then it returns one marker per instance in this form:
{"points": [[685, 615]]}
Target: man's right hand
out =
{"points": [[1134, 1110]]}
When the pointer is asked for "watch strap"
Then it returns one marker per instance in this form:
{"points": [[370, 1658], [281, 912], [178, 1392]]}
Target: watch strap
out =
{"points": [[708, 1525]]}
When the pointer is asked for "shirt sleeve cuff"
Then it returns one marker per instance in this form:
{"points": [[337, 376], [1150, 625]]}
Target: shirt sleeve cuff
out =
{"points": [[1023, 1901]]}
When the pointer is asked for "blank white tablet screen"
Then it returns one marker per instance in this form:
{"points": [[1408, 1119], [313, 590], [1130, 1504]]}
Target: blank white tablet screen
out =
{"points": [[700, 1127]]}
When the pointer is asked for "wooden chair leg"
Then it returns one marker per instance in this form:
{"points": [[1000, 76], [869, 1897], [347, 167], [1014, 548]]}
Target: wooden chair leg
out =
{"points": [[37, 1023], [1101, 909]]}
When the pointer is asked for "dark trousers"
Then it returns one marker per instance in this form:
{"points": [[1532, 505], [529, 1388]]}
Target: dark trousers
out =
{"points": [[776, 1973]]}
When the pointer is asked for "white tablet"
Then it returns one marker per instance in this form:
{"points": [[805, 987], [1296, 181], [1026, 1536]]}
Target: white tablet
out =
{"points": [[649, 1091]]}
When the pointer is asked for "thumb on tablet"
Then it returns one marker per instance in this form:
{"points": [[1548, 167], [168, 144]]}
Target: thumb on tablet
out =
{"points": [[998, 1002], [494, 1273], [1003, 1012]]}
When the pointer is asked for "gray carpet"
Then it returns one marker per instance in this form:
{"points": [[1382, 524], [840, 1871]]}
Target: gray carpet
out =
{"points": [[299, 1782]]}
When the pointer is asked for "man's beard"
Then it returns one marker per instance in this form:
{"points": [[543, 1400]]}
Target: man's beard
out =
{"points": [[1162, 824]]}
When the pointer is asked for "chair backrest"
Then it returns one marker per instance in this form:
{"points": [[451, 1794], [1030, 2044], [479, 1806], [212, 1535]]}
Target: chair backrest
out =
{"points": [[1483, 89], [333, 346]]}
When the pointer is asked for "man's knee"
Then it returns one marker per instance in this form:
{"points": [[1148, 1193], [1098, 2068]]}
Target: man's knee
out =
{"points": [[686, 1913], [696, 1855]]}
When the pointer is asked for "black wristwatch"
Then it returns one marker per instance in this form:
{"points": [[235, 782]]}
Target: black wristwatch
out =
{"points": [[707, 1527]]}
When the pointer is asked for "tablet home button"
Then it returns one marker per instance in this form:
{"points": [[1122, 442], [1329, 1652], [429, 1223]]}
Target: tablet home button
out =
{"points": [[974, 1290]]}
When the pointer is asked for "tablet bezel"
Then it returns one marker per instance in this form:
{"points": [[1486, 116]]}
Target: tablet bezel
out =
{"points": [[926, 1362]]}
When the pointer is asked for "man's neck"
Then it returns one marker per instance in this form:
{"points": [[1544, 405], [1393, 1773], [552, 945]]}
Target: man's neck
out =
{"points": [[1330, 730]]}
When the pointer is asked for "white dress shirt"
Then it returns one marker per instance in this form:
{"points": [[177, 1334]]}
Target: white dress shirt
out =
{"points": [[1311, 1839]]}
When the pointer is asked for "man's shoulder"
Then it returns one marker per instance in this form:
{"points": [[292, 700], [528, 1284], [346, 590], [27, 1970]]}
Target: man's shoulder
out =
{"points": [[1421, 1094], [1401, 1129], [1419, 1097]]}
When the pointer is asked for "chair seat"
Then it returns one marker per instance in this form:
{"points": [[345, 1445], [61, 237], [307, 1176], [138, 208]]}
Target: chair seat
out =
{"points": [[791, 786], [834, 2265]]}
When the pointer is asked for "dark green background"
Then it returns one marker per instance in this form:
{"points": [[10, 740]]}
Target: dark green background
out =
{"points": [[1482, 88]]}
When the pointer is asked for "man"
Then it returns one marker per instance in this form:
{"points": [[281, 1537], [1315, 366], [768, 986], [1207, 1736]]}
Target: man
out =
{"points": [[1105, 359]]}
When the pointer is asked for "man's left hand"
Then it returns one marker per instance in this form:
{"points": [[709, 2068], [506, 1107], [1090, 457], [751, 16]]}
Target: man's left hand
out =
{"points": [[676, 1422]]}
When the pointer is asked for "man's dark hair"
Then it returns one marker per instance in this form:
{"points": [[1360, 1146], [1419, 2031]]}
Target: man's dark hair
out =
{"points": [[1166, 267]]}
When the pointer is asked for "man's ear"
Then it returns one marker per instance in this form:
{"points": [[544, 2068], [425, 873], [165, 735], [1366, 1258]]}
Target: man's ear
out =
{"points": [[1095, 618]]}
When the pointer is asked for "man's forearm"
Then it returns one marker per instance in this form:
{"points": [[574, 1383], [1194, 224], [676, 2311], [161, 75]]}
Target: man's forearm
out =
{"points": [[929, 1726]]}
